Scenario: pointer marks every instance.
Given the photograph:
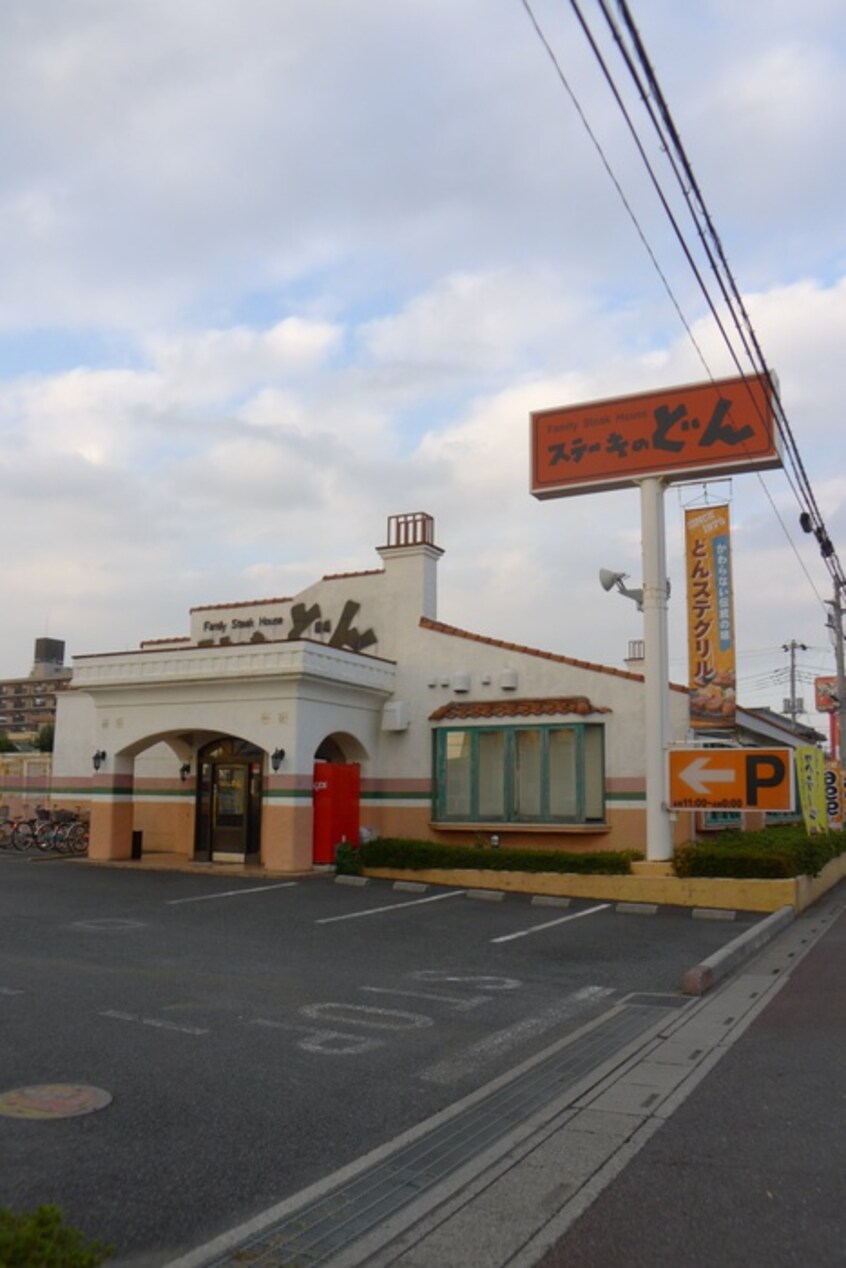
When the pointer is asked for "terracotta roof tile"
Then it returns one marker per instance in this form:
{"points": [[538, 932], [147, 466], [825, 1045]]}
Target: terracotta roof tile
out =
{"points": [[342, 576], [246, 603], [515, 708]]}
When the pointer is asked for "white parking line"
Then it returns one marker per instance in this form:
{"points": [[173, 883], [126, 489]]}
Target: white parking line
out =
{"points": [[117, 1015], [460, 1002], [229, 893], [548, 924], [377, 911]]}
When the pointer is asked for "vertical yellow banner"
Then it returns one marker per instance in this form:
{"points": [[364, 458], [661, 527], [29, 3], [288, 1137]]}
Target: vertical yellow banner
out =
{"points": [[834, 796], [810, 776], [710, 618]]}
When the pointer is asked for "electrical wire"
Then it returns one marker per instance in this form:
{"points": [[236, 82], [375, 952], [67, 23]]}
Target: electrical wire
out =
{"points": [[683, 170], [613, 178], [672, 146]]}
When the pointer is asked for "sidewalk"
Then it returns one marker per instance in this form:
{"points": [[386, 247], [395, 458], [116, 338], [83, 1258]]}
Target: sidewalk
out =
{"points": [[752, 1168]]}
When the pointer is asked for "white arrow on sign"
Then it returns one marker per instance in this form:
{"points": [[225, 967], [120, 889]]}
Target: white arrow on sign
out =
{"points": [[698, 776]]}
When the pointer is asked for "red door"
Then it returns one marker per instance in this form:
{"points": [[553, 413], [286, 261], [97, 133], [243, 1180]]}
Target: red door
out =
{"points": [[336, 794]]}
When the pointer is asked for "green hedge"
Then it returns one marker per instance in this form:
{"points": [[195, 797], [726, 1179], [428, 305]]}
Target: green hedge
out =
{"points": [[774, 853], [415, 856]]}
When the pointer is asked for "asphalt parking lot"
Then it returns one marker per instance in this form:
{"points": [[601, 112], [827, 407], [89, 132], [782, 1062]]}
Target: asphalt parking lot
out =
{"points": [[254, 1037]]}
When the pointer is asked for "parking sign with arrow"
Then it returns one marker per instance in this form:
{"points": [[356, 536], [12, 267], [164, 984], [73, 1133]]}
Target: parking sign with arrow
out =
{"points": [[731, 779]]}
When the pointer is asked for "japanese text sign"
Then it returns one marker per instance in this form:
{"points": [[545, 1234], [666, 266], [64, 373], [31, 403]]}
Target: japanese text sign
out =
{"points": [[731, 779], [810, 776], [678, 433], [710, 618]]}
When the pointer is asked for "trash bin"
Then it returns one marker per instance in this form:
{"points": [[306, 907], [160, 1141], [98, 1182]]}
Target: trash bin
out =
{"points": [[137, 843]]}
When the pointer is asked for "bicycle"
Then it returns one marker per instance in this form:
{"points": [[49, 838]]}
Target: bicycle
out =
{"points": [[72, 836], [62, 831], [25, 833]]}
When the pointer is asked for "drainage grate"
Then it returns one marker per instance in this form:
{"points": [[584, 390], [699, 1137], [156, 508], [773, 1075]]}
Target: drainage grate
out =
{"points": [[313, 1234], [657, 1000]]}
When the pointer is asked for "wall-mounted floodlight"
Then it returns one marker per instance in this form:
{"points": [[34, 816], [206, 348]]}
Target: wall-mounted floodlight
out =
{"points": [[277, 757], [608, 580], [98, 758]]}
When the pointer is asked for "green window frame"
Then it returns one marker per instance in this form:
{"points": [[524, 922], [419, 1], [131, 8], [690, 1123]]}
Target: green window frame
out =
{"points": [[519, 774]]}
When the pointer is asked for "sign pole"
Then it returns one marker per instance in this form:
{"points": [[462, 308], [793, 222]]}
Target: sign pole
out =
{"points": [[659, 837]]}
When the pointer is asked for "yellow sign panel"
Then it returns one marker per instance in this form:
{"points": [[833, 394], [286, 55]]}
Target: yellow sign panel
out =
{"points": [[731, 779], [810, 771]]}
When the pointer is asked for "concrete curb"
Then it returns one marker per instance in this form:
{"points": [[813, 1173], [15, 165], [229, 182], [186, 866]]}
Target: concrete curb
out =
{"points": [[703, 976]]}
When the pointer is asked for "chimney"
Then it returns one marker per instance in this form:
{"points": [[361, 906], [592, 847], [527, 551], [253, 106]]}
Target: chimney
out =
{"points": [[636, 656], [411, 560]]}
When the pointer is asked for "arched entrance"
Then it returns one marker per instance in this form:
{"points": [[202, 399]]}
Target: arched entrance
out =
{"points": [[229, 792]]}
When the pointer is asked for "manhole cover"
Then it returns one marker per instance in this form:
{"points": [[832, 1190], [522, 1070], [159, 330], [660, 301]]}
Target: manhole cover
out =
{"points": [[53, 1100]]}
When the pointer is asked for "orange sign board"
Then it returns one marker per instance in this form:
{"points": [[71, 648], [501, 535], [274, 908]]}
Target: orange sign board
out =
{"points": [[679, 433], [731, 779], [825, 695], [710, 618]]}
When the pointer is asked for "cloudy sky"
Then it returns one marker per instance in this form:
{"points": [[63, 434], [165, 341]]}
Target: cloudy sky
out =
{"points": [[274, 270]]}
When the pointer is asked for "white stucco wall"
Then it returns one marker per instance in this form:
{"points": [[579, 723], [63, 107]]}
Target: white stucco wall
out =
{"points": [[293, 694]]}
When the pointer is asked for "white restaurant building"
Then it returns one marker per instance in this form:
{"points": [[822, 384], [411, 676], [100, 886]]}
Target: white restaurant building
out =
{"points": [[276, 728]]}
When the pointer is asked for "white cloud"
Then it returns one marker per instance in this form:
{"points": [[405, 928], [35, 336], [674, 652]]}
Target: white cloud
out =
{"points": [[274, 272], [98, 416], [470, 323], [211, 365]]}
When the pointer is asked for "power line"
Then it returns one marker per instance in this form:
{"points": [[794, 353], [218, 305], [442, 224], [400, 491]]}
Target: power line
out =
{"points": [[681, 166], [613, 178], [811, 518]]}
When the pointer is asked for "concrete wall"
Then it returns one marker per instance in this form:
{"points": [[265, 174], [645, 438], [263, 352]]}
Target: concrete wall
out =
{"points": [[24, 783]]}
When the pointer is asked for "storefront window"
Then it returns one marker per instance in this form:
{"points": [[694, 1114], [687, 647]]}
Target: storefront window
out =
{"points": [[563, 784], [491, 778], [457, 773], [543, 774], [528, 775]]}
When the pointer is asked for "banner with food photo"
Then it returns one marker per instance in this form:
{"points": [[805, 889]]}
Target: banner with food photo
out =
{"points": [[710, 618]]}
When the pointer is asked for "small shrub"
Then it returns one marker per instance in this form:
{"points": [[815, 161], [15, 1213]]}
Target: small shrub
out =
{"points": [[347, 859], [41, 1239], [772, 853], [399, 852]]}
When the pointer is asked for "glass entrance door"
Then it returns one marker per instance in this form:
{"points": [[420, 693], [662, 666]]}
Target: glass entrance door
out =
{"points": [[229, 818], [229, 803]]}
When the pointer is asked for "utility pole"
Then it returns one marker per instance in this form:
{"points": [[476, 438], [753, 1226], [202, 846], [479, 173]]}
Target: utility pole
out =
{"points": [[659, 828], [836, 626], [793, 647]]}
